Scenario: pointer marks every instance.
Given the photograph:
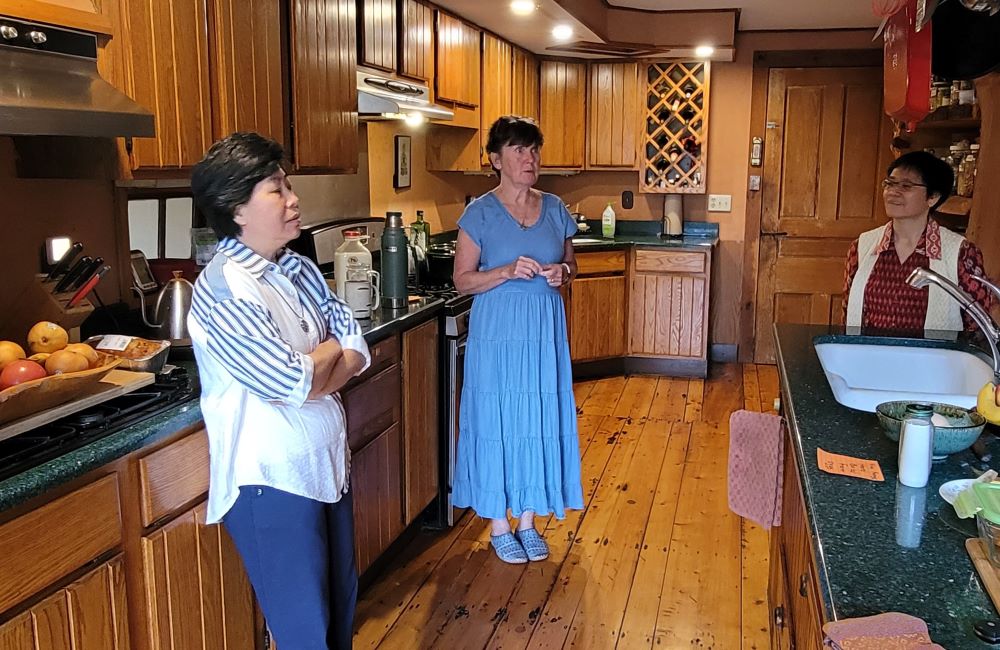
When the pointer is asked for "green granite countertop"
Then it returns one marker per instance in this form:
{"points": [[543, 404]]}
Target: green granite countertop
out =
{"points": [[46, 476], [862, 570], [646, 233]]}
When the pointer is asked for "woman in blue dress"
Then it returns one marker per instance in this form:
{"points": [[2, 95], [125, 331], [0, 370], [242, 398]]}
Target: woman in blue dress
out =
{"points": [[517, 447]]}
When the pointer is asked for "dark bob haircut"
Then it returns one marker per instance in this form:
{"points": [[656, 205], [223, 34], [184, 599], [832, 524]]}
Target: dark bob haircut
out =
{"points": [[224, 179], [513, 130], [935, 173]]}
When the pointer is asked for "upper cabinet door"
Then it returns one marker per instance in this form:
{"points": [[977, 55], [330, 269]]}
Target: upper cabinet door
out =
{"points": [[168, 74], [324, 91], [457, 70], [496, 94], [563, 107], [416, 31], [245, 59], [613, 119], [377, 34], [525, 84]]}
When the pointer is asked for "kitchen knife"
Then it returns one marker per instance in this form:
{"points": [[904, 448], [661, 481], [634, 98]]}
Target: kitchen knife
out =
{"points": [[64, 261], [88, 286], [86, 273], [73, 273]]}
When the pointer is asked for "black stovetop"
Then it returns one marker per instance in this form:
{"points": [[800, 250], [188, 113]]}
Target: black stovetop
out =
{"points": [[32, 448]]}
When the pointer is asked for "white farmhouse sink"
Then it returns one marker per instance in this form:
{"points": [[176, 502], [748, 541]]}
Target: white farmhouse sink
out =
{"points": [[864, 376]]}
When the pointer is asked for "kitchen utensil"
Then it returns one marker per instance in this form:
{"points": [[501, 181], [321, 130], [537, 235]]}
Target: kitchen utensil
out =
{"points": [[64, 261], [394, 254], [172, 306], [87, 273], [88, 286], [73, 273], [962, 430], [362, 295], [949, 491], [440, 263]]}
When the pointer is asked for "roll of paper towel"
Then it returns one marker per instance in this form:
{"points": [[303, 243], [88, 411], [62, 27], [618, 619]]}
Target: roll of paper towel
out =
{"points": [[673, 214]]}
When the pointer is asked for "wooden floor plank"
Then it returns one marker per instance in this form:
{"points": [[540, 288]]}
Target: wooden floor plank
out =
{"points": [[604, 397], [637, 397], [724, 394], [751, 388], [670, 399], [582, 390], [695, 396], [769, 390], [755, 617]]}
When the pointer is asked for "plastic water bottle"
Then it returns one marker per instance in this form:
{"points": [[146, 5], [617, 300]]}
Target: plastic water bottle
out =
{"points": [[608, 222], [916, 445]]}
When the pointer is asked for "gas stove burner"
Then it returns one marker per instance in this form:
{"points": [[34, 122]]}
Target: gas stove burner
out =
{"points": [[91, 417]]}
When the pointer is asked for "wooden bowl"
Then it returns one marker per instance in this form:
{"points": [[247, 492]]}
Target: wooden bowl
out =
{"points": [[45, 393]]}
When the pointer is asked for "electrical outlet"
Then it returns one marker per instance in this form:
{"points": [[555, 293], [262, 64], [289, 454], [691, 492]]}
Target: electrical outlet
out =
{"points": [[720, 202]]}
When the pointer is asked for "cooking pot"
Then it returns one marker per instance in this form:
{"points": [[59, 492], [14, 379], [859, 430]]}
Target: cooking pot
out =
{"points": [[172, 306], [440, 263]]}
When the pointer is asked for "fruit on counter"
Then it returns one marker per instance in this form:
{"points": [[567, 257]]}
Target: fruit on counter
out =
{"points": [[84, 350], [988, 403], [10, 351], [20, 371], [40, 357], [47, 336], [62, 361]]}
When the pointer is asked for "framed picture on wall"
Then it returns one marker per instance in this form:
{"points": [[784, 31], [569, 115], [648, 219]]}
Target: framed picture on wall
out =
{"points": [[401, 175]]}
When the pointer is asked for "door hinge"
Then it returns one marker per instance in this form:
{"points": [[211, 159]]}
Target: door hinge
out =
{"points": [[779, 617]]}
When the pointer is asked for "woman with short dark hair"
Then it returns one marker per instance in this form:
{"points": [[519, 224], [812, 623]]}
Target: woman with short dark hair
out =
{"points": [[273, 346], [876, 294], [517, 446]]}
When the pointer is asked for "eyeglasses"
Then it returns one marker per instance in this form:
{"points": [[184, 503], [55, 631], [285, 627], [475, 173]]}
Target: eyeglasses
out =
{"points": [[902, 186]]}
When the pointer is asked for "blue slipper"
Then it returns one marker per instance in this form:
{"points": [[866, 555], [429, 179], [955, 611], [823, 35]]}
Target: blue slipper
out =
{"points": [[534, 546], [508, 548]]}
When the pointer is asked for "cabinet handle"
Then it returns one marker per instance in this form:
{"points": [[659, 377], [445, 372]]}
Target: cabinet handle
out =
{"points": [[803, 581], [779, 617]]}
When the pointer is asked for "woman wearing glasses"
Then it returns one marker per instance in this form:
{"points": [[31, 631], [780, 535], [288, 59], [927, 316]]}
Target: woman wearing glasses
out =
{"points": [[876, 294]]}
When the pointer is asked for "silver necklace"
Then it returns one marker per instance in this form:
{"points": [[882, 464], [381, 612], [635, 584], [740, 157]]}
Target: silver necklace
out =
{"points": [[281, 294]]}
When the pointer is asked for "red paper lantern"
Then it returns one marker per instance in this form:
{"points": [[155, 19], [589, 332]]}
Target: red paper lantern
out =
{"points": [[907, 67]]}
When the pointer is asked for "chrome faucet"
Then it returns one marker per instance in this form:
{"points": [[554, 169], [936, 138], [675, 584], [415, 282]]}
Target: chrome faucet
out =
{"points": [[921, 277]]}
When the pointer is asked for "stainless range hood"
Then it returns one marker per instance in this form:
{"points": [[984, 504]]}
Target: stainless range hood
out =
{"points": [[384, 98], [49, 85]]}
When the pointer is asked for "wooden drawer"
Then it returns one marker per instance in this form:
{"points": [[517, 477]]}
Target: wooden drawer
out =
{"points": [[372, 407], [669, 262], [601, 262], [43, 546], [173, 476], [384, 354]]}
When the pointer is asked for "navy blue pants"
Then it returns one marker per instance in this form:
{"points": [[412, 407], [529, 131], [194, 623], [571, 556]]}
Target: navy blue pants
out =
{"points": [[299, 555]]}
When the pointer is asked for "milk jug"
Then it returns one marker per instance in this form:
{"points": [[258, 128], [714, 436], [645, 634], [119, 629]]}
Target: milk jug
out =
{"points": [[350, 260]]}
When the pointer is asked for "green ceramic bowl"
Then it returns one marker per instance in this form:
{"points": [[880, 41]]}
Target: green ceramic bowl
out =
{"points": [[965, 426]]}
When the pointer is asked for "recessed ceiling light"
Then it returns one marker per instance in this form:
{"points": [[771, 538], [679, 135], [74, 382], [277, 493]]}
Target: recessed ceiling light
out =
{"points": [[704, 51], [562, 32], [522, 7]]}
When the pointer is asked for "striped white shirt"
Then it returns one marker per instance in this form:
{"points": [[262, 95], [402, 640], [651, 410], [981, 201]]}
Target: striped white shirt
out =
{"points": [[253, 323]]}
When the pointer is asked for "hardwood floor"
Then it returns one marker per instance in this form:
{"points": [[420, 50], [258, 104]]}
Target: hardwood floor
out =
{"points": [[656, 559]]}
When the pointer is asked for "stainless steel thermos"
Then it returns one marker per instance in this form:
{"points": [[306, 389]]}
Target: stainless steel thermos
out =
{"points": [[394, 260]]}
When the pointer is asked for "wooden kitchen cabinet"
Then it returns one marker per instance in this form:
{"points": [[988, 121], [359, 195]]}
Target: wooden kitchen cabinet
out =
{"points": [[668, 304], [562, 111], [245, 61], [324, 86], [597, 306], [456, 72], [525, 84], [377, 45], [89, 614], [416, 33], [377, 490], [613, 123], [496, 94], [168, 73], [420, 417]]}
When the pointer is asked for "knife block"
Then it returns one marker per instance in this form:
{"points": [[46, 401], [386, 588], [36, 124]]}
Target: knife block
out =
{"points": [[38, 302]]}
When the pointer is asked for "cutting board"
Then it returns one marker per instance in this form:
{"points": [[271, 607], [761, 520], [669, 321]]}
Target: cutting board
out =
{"points": [[115, 383], [988, 574]]}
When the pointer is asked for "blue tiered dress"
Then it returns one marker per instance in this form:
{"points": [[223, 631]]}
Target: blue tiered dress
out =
{"points": [[517, 445]]}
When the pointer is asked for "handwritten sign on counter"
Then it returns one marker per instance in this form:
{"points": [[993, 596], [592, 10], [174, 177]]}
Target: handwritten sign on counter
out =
{"points": [[848, 466]]}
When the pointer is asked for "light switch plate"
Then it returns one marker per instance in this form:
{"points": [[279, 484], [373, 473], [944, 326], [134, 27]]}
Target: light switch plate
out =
{"points": [[720, 202]]}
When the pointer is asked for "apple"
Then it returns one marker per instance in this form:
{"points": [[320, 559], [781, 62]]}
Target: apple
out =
{"points": [[20, 371]]}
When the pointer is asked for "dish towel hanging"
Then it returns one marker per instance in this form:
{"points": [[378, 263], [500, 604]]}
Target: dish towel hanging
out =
{"points": [[756, 466], [889, 631]]}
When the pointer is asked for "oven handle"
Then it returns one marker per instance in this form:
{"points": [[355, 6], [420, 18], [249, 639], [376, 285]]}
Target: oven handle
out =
{"points": [[461, 343]]}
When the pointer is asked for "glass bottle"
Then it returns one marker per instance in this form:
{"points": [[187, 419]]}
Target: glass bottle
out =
{"points": [[916, 445], [421, 231]]}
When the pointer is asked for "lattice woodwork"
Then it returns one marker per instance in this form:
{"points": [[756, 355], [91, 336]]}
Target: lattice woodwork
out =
{"points": [[675, 137]]}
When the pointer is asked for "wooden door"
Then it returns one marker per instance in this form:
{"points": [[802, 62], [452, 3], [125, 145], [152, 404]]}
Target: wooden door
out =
{"points": [[377, 34], [197, 593], [457, 62], [168, 74], [245, 56], [495, 100], [613, 116], [562, 111], [598, 325], [420, 417], [524, 97], [324, 85], [826, 151], [378, 499], [417, 35]]}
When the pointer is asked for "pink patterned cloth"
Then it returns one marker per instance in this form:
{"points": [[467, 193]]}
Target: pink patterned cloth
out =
{"points": [[889, 631], [756, 466]]}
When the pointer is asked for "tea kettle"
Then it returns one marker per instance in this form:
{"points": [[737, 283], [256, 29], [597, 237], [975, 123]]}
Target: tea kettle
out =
{"points": [[172, 306]]}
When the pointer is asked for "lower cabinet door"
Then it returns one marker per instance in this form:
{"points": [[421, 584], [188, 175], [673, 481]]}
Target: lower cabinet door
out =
{"points": [[197, 594], [377, 490], [597, 327]]}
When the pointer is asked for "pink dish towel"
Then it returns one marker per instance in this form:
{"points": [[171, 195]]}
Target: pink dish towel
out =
{"points": [[889, 631], [756, 466]]}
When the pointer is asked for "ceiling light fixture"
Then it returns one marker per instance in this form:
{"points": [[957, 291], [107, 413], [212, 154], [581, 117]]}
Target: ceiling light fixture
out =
{"points": [[522, 7], [562, 32], [704, 51]]}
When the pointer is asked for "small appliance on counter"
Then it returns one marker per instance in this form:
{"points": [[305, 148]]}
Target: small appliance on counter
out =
{"points": [[169, 319]]}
